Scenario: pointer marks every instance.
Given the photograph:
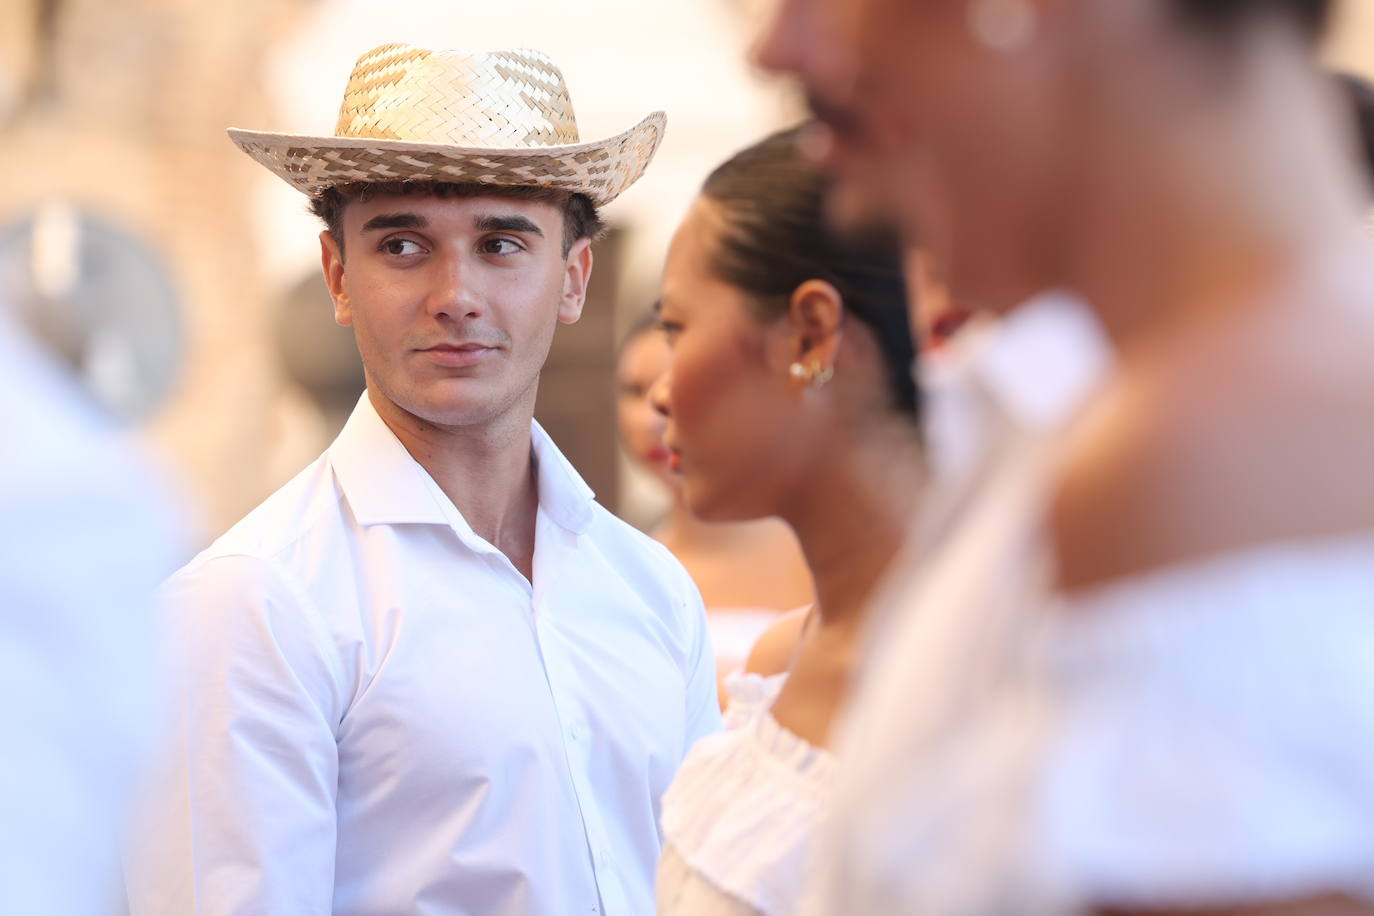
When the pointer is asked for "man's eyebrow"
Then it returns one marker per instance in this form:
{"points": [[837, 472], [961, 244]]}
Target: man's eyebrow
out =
{"points": [[395, 221], [507, 223]]}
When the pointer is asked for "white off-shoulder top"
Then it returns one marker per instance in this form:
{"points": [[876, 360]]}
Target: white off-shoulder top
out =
{"points": [[739, 819], [734, 630]]}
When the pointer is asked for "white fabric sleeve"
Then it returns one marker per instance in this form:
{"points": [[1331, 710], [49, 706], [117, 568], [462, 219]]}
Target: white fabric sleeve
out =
{"points": [[1218, 749], [241, 817], [703, 703]]}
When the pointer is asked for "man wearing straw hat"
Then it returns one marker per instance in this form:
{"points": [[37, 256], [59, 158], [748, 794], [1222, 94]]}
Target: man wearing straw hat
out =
{"points": [[431, 674]]}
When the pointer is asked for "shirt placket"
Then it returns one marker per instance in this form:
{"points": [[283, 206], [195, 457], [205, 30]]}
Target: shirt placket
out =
{"points": [[566, 690], [553, 546]]}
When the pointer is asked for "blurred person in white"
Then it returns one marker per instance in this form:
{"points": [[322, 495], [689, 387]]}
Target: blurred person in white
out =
{"points": [[1135, 675], [431, 674], [85, 536], [748, 572], [789, 394]]}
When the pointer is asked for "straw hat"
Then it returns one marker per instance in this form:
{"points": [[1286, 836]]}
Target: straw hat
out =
{"points": [[498, 117]]}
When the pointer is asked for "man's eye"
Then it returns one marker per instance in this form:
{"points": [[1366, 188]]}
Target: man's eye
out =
{"points": [[401, 246], [500, 246]]}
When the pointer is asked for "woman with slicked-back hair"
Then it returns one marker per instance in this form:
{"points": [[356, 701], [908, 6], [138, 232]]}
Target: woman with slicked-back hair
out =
{"points": [[789, 393], [1137, 675]]}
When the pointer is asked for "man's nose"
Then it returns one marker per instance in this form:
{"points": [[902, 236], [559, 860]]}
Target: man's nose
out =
{"points": [[455, 293]]}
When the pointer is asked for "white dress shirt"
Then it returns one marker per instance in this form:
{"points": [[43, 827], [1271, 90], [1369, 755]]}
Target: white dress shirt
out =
{"points": [[85, 536], [383, 716]]}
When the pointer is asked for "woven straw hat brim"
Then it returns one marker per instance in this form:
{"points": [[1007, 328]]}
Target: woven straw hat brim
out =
{"points": [[601, 169]]}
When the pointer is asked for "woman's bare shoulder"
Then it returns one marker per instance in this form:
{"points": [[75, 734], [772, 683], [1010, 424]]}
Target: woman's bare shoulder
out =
{"points": [[773, 651]]}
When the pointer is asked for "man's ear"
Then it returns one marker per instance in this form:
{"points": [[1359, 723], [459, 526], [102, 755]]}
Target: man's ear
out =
{"points": [[575, 278], [331, 259], [816, 315]]}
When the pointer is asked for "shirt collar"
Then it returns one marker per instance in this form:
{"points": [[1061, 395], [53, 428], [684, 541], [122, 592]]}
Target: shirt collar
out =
{"points": [[384, 485], [563, 495]]}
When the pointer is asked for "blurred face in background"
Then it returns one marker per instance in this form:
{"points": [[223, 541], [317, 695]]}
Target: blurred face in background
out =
{"points": [[951, 122], [643, 359], [728, 398]]}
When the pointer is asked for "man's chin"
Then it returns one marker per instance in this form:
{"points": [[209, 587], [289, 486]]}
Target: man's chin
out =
{"points": [[453, 410]]}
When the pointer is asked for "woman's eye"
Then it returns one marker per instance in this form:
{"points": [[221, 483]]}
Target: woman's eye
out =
{"points": [[670, 329], [500, 246], [401, 247]]}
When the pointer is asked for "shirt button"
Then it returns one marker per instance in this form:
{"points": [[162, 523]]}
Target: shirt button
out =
{"points": [[604, 858], [573, 734]]}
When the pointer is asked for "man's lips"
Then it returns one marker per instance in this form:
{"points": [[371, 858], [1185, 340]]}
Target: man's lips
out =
{"points": [[464, 354]]}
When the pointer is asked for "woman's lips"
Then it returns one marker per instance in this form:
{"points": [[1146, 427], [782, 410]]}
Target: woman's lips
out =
{"points": [[657, 455]]}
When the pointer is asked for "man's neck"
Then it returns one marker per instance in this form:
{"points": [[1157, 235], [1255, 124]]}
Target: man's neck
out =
{"points": [[486, 471]]}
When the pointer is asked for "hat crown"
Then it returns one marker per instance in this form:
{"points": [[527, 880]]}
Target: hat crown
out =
{"points": [[500, 99]]}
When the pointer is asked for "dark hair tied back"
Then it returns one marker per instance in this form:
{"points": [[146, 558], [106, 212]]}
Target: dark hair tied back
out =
{"points": [[776, 239]]}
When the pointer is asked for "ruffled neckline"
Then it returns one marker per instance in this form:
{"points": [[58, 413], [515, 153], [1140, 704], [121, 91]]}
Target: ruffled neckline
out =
{"points": [[743, 811], [751, 712]]}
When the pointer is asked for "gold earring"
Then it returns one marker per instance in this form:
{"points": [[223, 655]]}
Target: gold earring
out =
{"points": [[815, 376]]}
